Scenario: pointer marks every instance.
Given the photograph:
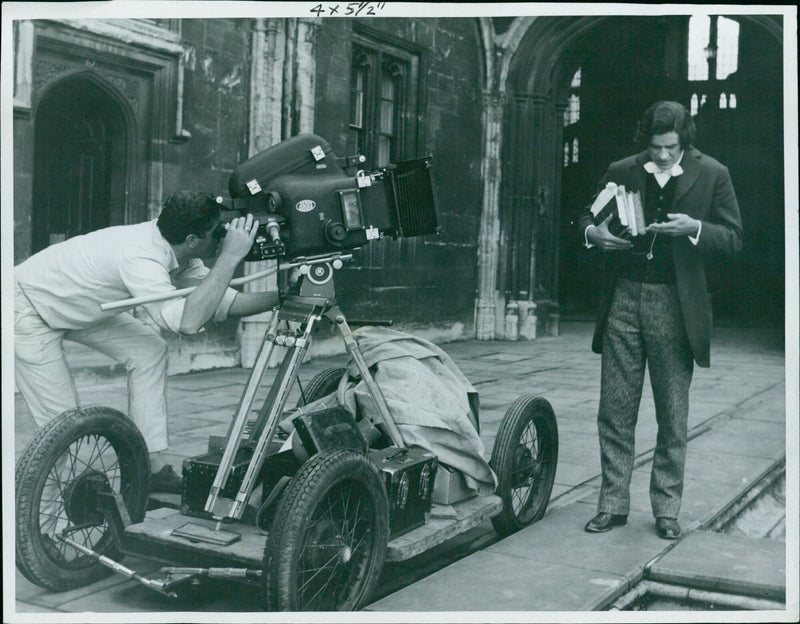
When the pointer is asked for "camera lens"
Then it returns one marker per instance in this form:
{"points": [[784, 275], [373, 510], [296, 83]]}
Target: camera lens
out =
{"points": [[335, 232]]}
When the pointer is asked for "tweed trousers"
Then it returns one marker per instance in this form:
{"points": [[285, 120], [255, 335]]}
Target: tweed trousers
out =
{"points": [[645, 328]]}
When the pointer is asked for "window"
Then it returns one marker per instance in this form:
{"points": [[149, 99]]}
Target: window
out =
{"points": [[713, 56], [383, 124], [727, 47], [699, 30], [383, 88], [572, 115]]}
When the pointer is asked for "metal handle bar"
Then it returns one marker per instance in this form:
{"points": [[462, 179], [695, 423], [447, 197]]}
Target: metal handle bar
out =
{"points": [[175, 294], [182, 292]]}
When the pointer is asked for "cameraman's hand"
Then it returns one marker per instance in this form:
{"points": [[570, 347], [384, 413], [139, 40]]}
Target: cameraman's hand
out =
{"points": [[600, 236], [239, 239]]}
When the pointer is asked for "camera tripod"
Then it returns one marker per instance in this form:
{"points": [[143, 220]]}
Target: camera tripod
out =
{"points": [[313, 302]]}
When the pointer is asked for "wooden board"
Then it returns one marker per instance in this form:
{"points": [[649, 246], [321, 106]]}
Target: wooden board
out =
{"points": [[468, 514], [158, 525]]}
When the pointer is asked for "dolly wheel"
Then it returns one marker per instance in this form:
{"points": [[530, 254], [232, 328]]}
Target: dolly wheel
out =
{"points": [[327, 544], [322, 384], [524, 457], [54, 494]]}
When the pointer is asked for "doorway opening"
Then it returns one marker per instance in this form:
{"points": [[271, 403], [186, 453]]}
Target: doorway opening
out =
{"points": [[79, 175]]}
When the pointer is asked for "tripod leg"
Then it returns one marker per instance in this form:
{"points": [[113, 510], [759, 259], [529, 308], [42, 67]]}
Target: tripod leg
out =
{"points": [[238, 424], [279, 395], [374, 388]]}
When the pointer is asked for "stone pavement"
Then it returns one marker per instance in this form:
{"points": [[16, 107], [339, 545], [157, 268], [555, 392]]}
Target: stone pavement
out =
{"points": [[737, 433]]}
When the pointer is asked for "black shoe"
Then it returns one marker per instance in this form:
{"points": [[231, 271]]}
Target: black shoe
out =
{"points": [[603, 522], [668, 528], [166, 480]]}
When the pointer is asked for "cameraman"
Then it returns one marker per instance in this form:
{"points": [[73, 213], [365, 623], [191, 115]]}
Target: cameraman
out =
{"points": [[58, 292]]}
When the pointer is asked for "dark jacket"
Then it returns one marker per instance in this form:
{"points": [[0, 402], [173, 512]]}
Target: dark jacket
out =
{"points": [[704, 191]]}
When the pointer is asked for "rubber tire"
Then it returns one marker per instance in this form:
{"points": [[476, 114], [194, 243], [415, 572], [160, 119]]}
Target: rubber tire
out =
{"points": [[324, 473], [525, 411], [322, 384], [35, 561]]}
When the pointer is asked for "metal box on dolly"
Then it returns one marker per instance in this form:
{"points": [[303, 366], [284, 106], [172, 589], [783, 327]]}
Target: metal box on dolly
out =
{"points": [[308, 521]]}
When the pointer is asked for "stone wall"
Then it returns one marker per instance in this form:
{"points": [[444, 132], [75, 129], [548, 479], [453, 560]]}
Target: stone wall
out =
{"points": [[427, 282], [215, 112]]}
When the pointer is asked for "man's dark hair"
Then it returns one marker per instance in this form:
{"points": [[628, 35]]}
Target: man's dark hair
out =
{"points": [[663, 117], [187, 212]]}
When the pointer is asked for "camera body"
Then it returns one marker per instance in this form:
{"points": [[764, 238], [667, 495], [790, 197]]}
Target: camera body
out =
{"points": [[307, 205]]}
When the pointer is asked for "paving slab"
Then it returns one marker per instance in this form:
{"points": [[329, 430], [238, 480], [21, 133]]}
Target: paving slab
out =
{"points": [[747, 566], [701, 497], [719, 467], [525, 586], [573, 473], [560, 539], [765, 441]]}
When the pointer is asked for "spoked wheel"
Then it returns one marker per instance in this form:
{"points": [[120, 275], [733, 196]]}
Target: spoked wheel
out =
{"points": [[54, 494], [327, 544], [524, 457], [322, 384]]}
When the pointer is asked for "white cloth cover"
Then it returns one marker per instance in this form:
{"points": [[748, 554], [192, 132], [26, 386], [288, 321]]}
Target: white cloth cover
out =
{"points": [[433, 404]]}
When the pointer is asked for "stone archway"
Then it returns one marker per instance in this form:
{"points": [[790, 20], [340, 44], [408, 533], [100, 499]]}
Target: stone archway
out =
{"points": [[81, 150], [630, 72], [530, 204]]}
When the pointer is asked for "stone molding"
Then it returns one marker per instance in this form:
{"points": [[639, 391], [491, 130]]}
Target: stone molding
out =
{"points": [[111, 40]]}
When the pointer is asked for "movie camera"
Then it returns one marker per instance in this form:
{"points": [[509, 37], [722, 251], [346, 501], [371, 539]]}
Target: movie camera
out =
{"points": [[306, 204]]}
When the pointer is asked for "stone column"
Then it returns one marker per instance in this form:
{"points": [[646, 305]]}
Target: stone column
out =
{"points": [[306, 74], [282, 95], [23, 71], [489, 237], [266, 95]]}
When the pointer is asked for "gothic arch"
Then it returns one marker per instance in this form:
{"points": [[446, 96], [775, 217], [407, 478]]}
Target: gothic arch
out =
{"points": [[540, 56], [520, 132], [83, 157], [92, 78]]}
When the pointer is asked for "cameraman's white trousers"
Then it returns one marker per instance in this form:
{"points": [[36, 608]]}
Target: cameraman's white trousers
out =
{"points": [[46, 383]]}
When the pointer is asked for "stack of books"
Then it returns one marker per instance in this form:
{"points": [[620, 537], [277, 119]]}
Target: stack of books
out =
{"points": [[625, 208]]}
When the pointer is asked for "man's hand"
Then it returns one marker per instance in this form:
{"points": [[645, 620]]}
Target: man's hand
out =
{"points": [[239, 239], [679, 224], [202, 303], [600, 236]]}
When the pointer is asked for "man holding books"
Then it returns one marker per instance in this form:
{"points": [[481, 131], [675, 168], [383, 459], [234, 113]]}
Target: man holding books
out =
{"points": [[654, 307]]}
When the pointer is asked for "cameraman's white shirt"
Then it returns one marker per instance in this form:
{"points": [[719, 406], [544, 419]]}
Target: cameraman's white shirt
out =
{"points": [[66, 282]]}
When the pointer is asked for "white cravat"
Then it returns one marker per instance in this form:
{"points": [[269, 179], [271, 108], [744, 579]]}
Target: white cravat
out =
{"points": [[663, 175]]}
